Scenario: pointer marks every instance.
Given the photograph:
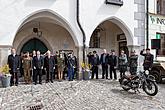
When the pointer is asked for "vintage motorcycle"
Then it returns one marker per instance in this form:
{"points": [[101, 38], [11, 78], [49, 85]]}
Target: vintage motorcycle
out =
{"points": [[141, 80]]}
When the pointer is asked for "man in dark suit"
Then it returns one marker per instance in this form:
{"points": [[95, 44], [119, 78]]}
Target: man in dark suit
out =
{"points": [[104, 63], [38, 64], [95, 62], [112, 61], [14, 65], [148, 59], [49, 64]]}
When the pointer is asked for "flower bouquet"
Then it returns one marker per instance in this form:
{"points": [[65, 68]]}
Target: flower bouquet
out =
{"points": [[5, 75], [86, 70]]}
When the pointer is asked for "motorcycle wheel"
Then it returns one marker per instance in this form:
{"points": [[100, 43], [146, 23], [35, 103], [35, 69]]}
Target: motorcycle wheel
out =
{"points": [[150, 88], [123, 82]]}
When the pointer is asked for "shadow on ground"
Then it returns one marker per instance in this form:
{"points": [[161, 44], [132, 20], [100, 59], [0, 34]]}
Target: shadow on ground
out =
{"points": [[131, 94]]}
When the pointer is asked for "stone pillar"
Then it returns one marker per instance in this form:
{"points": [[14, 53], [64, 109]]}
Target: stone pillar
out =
{"points": [[4, 52], [79, 60], [140, 58]]}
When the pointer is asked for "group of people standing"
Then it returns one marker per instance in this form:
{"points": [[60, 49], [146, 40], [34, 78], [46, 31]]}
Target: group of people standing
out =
{"points": [[33, 66], [121, 62]]}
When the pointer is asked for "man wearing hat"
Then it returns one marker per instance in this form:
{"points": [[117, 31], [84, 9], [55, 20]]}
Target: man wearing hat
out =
{"points": [[112, 61], [133, 62], [148, 59]]}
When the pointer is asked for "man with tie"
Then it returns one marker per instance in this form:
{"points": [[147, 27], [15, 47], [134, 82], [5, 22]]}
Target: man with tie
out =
{"points": [[14, 65], [38, 64], [104, 63], [49, 64], [112, 61]]}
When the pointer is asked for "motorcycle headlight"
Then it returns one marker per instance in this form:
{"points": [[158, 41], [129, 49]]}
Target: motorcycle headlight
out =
{"points": [[147, 72]]}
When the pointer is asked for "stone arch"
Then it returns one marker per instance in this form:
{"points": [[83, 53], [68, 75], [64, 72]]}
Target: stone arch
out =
{"points": [[47, 13], [120, 24]]}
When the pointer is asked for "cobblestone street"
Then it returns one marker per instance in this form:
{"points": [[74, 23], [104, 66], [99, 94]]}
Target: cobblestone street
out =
{"points": [[79, 95]]}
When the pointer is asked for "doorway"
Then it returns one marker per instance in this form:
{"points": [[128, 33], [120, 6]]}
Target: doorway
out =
{"points": [[34, 44]]}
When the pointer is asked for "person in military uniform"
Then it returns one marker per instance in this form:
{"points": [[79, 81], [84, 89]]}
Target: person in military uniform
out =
{"points": [[133, 63], [71, 64], [122, 63], [60, 66], [27, 66], [95, 62], [148, 59]]}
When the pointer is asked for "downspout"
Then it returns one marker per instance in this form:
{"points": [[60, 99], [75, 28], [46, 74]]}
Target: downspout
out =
{"points": [[147, 23], [83, 33]]}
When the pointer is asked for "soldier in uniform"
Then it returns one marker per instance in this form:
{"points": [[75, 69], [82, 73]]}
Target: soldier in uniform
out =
{"points": [[71, 64], [60, 66], [148, 59], [95, 62], [122, 63], [133, 63], [27, 64]]}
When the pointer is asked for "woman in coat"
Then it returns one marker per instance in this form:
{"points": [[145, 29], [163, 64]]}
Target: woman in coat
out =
{"points": [[61, 65]]}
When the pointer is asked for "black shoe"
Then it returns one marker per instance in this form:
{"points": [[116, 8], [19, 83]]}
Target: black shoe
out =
{"points": [[40, 83], [16, 84], [51, 81], [35, 83]]}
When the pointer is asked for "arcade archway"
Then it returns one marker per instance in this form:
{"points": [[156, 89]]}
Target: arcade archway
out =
{"points": [[110, 35], [53, 33]]}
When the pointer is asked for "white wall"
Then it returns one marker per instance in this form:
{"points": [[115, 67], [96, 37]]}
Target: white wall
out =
{"points": [[152, 6], [92, 13]]}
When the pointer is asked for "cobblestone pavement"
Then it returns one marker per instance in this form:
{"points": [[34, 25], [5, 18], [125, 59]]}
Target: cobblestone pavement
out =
{"points": [[79, 95]]}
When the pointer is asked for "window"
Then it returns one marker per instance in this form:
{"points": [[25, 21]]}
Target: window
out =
{"points": [[115, 2], [95, 39], [158, 6], [161, 51], [161, 7]]}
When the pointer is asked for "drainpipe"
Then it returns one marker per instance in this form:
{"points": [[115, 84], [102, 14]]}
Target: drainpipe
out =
{"points": [[147, 23], [78, 22]]}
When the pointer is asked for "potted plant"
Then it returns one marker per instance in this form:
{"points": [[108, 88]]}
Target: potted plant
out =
{"points": [[5, 75], [86, 70]]}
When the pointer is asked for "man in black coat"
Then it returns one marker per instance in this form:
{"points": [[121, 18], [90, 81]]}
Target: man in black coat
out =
{"points": [[95, 62], [38, 64], [104, 63], [49, 64], [112, 61], [148, 59], [14, 65]]}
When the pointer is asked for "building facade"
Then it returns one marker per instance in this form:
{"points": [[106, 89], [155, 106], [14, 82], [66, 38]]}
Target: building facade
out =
{"points": [[157, 27], [27, 25]]}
